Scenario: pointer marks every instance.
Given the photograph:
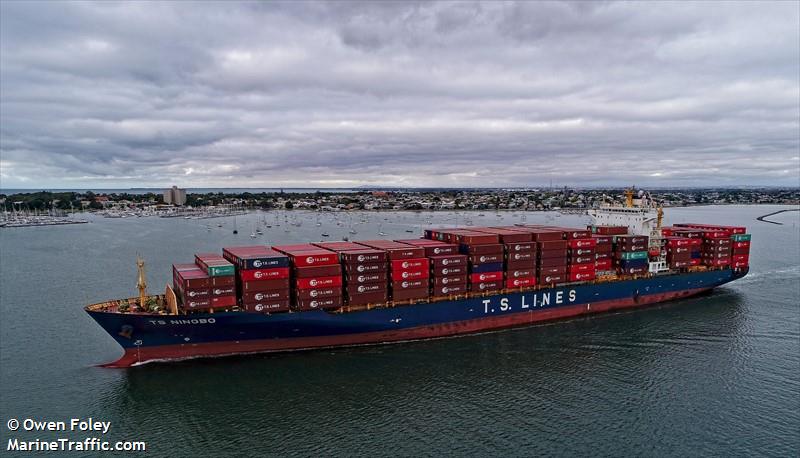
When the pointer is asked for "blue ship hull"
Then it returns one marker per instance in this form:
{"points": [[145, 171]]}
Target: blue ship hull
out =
{"points": [[166, 337]]}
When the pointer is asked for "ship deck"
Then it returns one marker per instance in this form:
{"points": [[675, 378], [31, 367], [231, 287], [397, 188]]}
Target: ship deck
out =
{"points": [[114, 305]]}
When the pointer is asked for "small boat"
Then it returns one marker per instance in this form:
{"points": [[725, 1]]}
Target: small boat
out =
{"points": [[325, 235], [409, 231]]}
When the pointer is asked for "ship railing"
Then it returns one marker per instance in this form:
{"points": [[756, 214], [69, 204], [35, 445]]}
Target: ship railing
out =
{"points": [[131, 303]]}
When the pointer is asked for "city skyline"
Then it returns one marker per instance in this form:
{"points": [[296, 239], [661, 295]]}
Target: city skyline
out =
{"points": [[411, 95]]}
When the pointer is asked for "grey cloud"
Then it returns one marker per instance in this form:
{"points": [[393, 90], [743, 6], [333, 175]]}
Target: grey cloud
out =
{"points": [[397, 93]]}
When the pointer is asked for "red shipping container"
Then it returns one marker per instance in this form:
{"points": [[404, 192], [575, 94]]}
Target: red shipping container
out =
{"points": [[552, 262], [313, 258], [611, 230], [571, 234], [223, 291], [196, 293], [378, 277], [633, 270], [194, 279], [410, 284], [717, 250], [717, 242], [448, 261], [582, 251], [311, 293], [223, 280], [679, 256], [603, 264], [366, 289], [409, 275], [725, 255], [717, 261], [547, 235], [197, 304], [716, 234], [339, 246], [363, 256], [552, 245], [265, 285], [409, 294], [523, 282], [318, 271], [517, 265], [223, 301], [264, 274], [688, 233], [521, 273], [738, 264], [601, 256], [449, 271], [737, 245], [490, 249], [376, 297], [275, 295], [369, 267], [582, 276], [631, 239], [555, 270], [582, 243], [267, 307], [582, 260], [445, 281], [318, 282], [741, 258], [550, 279], [485, 286], [589, 267], [678, 250], [449, 290], [556, 253], [477, 260], [630, 248], [409, 265], [326, 303], [486, 277], [520, 247], [477, 238], [680, 242], [432, 247], [522, 256], [740, 251]]}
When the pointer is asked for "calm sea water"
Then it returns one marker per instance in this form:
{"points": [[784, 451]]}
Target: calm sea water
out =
{"points": [[713, 375]]}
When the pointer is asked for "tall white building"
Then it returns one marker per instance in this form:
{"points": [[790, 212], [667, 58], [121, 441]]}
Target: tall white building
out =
{"points": [[175, 196]]}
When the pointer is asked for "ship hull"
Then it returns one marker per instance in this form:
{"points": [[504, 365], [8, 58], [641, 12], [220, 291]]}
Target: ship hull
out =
{"points": [[148, 338]]}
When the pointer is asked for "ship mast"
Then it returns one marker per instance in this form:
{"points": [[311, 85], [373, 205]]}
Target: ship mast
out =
{"points": [[142, 282], [629, 197]]}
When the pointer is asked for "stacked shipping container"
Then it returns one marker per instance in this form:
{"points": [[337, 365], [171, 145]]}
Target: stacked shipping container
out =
{"points": [[262, 278], [448, 268], [223, 282], [447, 264], [630, 254], [317, 277], [408, 269], [365, 273]]}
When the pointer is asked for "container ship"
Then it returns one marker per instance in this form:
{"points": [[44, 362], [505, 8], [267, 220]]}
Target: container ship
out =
{"points": [[451, 281]]}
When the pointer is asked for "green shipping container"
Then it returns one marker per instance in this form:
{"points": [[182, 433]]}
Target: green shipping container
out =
{"points": [[634, 255], [741, 237], [220, 271]]}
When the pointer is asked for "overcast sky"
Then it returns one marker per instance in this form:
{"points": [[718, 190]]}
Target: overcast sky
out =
{"points": [[406, 94]]}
